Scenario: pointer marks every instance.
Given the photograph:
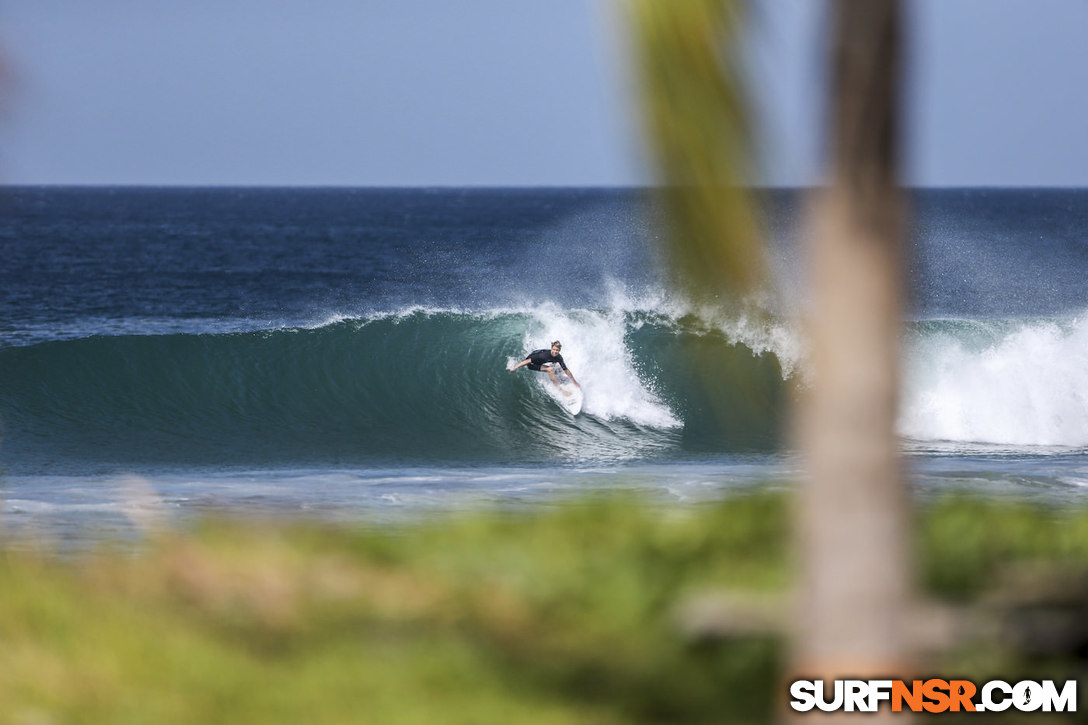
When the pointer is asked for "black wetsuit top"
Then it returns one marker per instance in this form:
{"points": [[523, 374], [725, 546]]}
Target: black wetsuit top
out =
{"points": [[541, 357]]}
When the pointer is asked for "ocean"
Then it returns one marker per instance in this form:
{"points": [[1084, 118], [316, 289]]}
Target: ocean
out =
{"points": [[341, 354]]}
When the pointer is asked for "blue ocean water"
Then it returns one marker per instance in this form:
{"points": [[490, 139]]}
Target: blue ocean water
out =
{"points": [[341, 352]]}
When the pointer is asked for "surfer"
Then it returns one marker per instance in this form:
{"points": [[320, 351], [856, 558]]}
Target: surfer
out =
{"points": [[545, 361]]}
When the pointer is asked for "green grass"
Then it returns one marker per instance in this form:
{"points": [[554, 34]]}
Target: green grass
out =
{"points": [[569, 614]]}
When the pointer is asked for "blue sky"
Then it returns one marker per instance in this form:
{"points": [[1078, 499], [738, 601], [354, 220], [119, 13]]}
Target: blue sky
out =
{"points": [[493, 92]]}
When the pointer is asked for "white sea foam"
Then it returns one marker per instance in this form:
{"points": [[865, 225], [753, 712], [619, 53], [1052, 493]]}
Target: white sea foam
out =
{"points": [[594, 347], [1025, 386]]}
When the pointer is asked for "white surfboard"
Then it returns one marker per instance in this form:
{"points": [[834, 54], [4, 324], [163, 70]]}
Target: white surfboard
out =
{"points": [[568, 395]]}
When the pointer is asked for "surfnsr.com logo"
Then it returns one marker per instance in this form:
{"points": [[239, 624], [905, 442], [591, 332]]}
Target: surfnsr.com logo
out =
{"points": [[933, 696]]}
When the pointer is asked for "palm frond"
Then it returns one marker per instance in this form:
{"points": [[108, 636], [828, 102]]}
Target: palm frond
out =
{"points": [[700, 135]]}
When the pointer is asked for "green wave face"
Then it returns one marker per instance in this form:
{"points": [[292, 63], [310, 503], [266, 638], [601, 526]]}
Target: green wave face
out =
{"points": [[421, 386]]}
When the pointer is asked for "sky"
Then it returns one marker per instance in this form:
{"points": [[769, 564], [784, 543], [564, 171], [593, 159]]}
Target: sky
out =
{"points": [[495, 93]]}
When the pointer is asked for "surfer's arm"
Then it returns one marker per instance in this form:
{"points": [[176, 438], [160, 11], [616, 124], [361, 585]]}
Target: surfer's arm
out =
{"points": [[523, 363], [563, 363]]}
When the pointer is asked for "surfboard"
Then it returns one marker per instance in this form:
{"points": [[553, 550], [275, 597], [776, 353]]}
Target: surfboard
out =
{"points": [[568, 395]]}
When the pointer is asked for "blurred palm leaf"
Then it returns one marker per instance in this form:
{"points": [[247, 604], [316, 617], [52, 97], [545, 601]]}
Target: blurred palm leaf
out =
{"points": [[699, 131]]}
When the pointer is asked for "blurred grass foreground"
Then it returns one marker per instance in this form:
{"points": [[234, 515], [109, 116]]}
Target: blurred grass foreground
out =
{"points": [[605, 611]]}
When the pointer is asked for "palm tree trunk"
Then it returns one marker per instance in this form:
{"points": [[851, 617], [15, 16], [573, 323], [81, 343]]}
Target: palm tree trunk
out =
{"points": [[855, 587]]}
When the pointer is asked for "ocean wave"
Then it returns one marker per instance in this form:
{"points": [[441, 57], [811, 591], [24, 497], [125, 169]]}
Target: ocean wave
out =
{"points": [[430, 384], [421, 384]]}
